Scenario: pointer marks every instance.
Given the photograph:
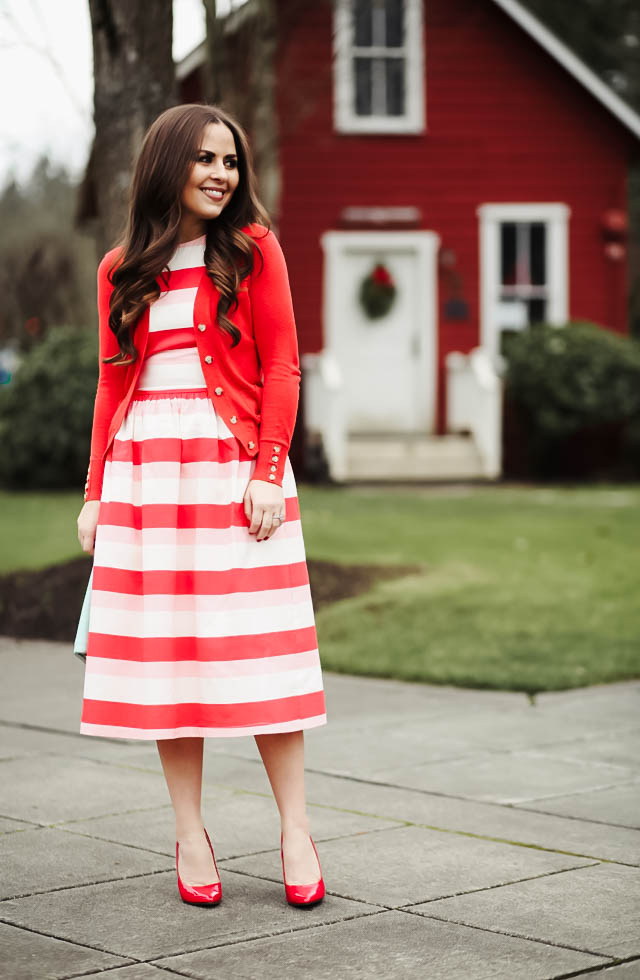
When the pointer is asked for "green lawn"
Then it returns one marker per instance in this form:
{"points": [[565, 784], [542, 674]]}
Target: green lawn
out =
{"points": [[38, 529], [521, 588]]}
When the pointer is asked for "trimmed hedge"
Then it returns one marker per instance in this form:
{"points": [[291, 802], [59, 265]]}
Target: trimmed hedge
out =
{"points": [[46, 412], [575, 386]]}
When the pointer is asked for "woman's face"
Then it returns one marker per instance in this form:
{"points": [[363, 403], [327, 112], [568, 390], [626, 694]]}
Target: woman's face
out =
{"points": [[212, 181]]}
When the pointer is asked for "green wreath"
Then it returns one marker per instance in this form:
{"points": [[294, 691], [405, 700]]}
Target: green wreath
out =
{"points": [[377, 292]]}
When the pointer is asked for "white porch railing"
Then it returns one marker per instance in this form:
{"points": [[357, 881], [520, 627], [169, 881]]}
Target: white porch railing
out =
{"points": [[474, 404], [325, 410]]}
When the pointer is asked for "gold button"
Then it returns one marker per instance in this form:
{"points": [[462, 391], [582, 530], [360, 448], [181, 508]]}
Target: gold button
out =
{"points": [[275, 458], [208, 358], [272, 476], [218, 391], [233, 419], [202, 326], [273, 468], [276, 449], [251, 445]]}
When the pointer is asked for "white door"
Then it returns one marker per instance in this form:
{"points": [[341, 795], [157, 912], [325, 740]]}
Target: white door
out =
{"points": [[388, 364]]}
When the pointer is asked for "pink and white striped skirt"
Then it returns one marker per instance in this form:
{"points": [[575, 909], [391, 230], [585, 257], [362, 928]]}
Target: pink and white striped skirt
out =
{"points": [[196, 628]]}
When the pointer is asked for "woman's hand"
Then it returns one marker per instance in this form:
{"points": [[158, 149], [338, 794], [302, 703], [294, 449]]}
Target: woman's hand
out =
{"points": [[87, 523], [262, 502]]}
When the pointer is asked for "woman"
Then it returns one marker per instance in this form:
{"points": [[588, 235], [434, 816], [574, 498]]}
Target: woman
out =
{"points": [[194, 630]]}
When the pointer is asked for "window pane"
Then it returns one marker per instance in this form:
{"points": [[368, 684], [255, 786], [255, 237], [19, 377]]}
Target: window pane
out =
{"points": [[538, 254], [508, 253], [537, 310], [363, 23], [362, 85], [394, 11], [394, 72]]}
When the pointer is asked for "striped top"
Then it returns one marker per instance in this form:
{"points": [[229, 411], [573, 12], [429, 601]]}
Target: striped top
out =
{"points": [[171, 315], [172, 360]]}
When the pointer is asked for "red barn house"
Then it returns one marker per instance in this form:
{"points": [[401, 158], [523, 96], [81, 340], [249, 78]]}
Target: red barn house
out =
{"points": [[463, 148]]}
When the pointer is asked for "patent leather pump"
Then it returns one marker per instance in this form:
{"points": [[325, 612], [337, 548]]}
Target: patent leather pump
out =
{"points": [[200, 894], [304, 895]]}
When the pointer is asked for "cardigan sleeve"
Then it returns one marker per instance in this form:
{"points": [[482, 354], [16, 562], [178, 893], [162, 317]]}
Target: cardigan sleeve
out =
{"points": [[277, 345], [110, 384]]}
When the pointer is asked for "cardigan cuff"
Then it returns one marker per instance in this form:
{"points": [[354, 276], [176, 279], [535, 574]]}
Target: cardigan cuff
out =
{"points": [[270, 462], [93, 483]]}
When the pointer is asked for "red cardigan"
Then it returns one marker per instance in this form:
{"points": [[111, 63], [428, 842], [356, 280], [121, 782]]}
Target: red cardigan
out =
{"points": [[254, 386]]}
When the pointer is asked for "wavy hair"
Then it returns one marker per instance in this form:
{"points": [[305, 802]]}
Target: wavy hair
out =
{"points": [[162, 168]]}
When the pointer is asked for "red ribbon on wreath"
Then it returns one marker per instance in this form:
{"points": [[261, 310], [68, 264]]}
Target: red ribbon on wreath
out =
{"points": [[377, 292]]}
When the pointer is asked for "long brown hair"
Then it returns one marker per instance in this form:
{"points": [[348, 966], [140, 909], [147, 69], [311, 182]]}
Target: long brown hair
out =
{"points": [[163, 166]]}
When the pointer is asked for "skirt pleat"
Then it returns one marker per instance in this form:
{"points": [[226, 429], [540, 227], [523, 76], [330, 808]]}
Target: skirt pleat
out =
{"points": [[196, 628]]}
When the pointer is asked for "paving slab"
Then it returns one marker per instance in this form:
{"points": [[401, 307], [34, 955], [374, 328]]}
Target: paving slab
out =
{"points": [[358, 700], [512, 824], [598, 701], [507, 777], [145, 918], [616, 748], [47, 789], [238, 823], [624, 971], [11, 826], [517, 723], [392, 945], [21, 740], [138, 971], [44, 859], [348, 752], [56, 699], [25, 955], [618, 805], [593, 908], [410, 864]]}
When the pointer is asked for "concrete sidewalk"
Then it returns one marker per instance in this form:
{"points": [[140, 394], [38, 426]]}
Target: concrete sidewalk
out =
{"points": [[462, 834]]}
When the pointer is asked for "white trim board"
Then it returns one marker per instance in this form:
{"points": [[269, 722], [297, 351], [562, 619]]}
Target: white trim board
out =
{"points": [[571, 63], [191, 62]]}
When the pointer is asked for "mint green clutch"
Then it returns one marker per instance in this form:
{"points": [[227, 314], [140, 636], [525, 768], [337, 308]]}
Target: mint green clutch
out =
{"points": [[82, 632]]}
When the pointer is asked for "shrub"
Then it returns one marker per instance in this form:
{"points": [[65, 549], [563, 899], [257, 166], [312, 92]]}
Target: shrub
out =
{"points": [[580, 379], [46, 412]]}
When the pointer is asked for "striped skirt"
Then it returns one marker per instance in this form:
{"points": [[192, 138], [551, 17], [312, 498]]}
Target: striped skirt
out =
{"points": [[196, 628]]}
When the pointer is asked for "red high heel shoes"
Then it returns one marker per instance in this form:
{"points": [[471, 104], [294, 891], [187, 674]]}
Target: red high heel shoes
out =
{"points": [[200, 894], [304, 895]]}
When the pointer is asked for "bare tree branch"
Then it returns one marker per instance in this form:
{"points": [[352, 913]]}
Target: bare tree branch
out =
{"points": [[45, 51]]}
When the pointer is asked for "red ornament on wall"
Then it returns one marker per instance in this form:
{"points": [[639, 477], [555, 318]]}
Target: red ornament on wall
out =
{"points": [[615, 226]]}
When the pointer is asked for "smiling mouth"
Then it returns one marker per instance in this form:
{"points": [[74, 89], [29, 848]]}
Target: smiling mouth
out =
{"points": [[212, 194]]}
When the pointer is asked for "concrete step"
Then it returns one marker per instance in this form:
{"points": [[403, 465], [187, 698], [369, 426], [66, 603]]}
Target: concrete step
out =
{"points": [[413, 457]]}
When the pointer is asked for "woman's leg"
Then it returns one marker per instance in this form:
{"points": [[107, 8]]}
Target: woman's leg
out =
{"points": [[283, 757], [182, 764]]}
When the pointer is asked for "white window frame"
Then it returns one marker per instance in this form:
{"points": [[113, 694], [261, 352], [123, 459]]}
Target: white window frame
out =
{"points": [[344, 117], [556, 218]]}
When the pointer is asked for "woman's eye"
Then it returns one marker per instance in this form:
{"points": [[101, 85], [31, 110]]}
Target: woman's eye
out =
{"points": [[207, 159]]}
